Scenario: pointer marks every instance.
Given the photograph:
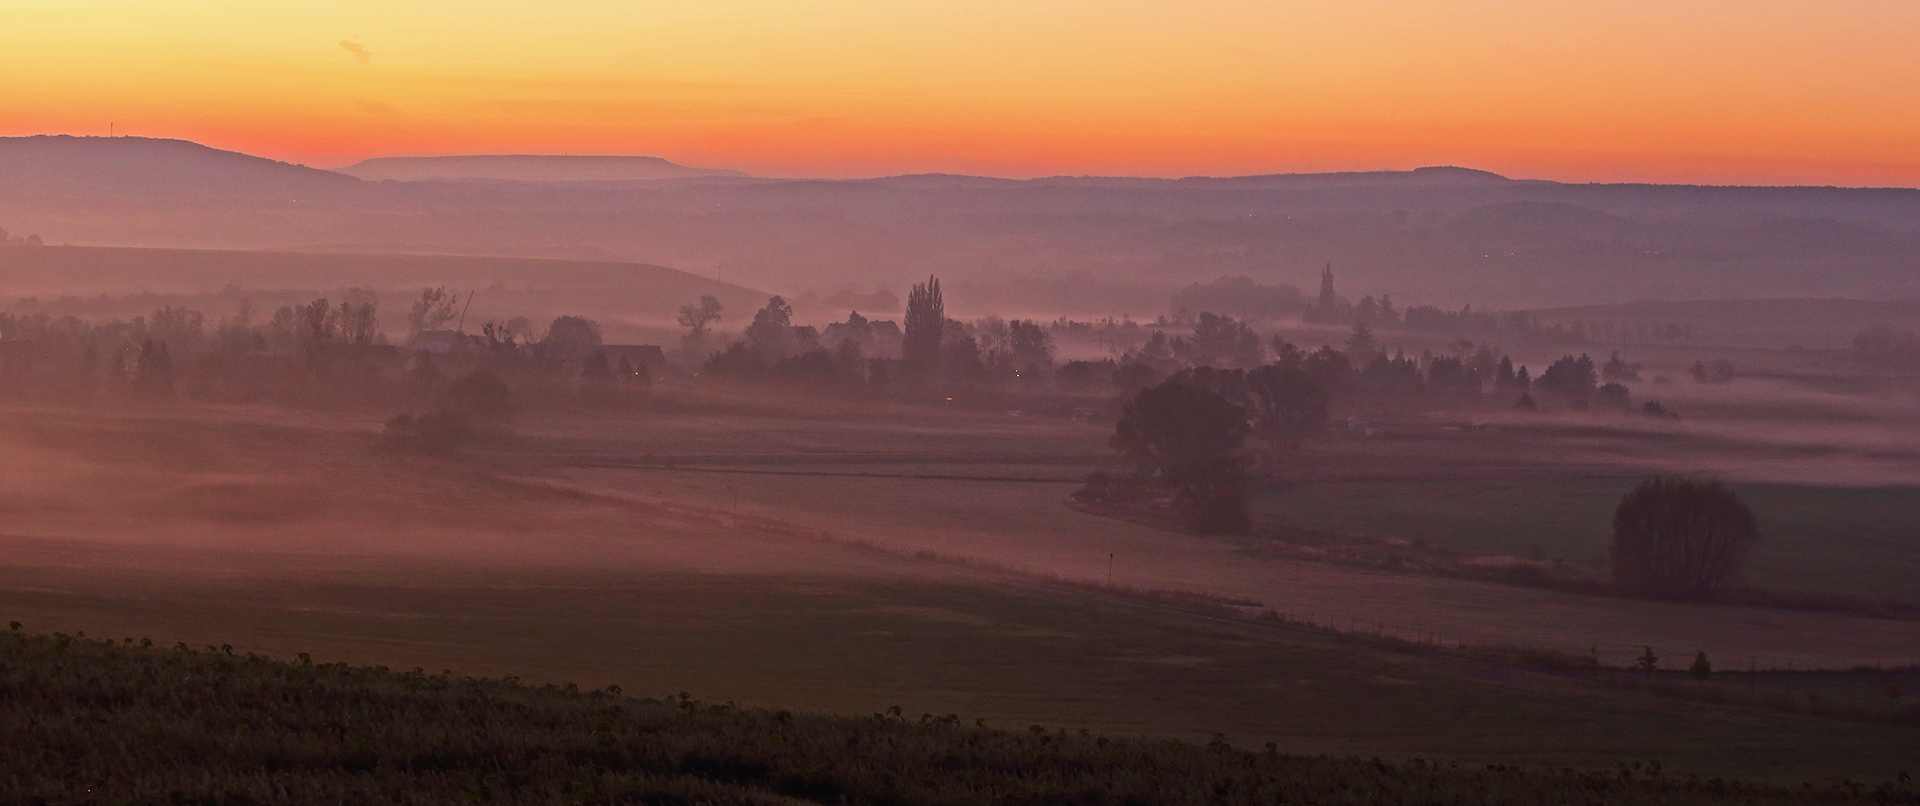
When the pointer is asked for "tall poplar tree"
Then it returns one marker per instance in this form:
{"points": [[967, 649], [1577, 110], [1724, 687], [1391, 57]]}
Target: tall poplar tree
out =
{"points": [[926, 322]]}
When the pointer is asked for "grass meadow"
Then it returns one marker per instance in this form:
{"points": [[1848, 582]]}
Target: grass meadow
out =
{"points": [[1849, 540], [222, 725], [631, 551]]}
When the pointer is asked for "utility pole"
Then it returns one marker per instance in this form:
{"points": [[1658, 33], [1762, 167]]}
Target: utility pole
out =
{"points": [[463, 312], [1109, 569]]}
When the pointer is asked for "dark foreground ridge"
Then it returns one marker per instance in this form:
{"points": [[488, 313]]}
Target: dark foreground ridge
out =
{"points": [[98, 721]]}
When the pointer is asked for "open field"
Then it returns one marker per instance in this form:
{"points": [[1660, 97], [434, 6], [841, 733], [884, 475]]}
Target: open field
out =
{"points": [[225, 726], [156, 524], [1847, 540], [988, 489], [841, 643]]}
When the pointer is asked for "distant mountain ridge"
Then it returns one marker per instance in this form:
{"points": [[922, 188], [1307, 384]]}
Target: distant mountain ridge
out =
{"points": [[529, 168], [1081, 246], [65, 163]]}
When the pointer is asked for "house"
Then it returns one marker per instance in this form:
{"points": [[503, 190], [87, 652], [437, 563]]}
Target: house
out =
{"points": [[438, 342]]}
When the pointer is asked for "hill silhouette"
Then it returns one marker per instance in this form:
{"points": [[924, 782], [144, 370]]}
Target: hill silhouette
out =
{"points": [[1050, 246], [637, 299], [151, 166], [528, 168]]}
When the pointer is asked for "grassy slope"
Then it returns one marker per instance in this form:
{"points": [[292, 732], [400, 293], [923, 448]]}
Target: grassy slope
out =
{"points": [[156, 525], [1008, 655], [1842, 540], [98, 722]]}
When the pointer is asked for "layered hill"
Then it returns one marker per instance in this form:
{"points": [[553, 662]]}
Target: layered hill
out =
{"points": [[98, 282], [1076, 246], [528, 168], [152, 167]]}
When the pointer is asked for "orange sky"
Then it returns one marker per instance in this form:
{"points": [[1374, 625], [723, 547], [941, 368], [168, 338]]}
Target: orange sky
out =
{"points": [[1754, 91]]}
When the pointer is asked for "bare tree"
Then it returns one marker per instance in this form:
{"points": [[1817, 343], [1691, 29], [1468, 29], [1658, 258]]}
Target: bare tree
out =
{"points": [[360, 316], [319, 322], [697, 317]]}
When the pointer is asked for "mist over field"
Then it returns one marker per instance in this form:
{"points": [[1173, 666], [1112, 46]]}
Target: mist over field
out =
{"points": [[1437, 468]]}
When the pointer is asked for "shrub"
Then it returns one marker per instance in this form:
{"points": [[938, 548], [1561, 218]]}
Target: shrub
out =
{"points": [[436, 431], [1679, 537], [1106, 488], [1717, 371], [481, 396], [1612, 396]]}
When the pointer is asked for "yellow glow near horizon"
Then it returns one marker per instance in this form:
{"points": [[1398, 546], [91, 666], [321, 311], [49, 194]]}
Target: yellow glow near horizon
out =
{"points": [[1754, 91]]}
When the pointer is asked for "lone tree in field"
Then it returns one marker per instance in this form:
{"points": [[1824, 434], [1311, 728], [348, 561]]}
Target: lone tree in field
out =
{"points": [[1701, 668], [1185, 438], [1679, 537]]}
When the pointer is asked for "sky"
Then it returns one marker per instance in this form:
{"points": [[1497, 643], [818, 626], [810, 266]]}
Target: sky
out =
{"points": [[1711, 91]]}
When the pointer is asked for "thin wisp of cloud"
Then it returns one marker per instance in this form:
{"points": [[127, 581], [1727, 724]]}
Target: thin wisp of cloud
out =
{"points": [[358, 50]]}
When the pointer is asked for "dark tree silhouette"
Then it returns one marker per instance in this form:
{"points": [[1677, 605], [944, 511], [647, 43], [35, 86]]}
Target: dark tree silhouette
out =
{"points": [[433, 310], [1569, 376], [438, 431], [1617, 369], [153, 372], [1361, 345], [1241, 297], [1222, 341], [1288, 400], [360, 316], [696, 318], [1680, 537], [1032, 349], [771, 334], [595, 368], [960, 359], [482, 396], [1185, 438], [1717, 371], [570, 337], [926, 323], [1701, 668], [1503, 378], [1612, 396]]}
